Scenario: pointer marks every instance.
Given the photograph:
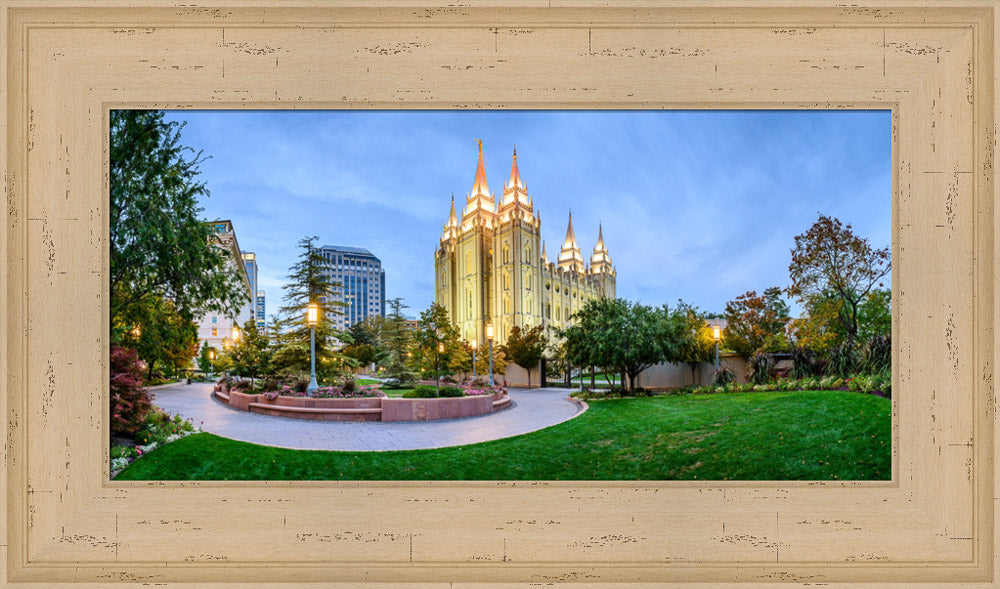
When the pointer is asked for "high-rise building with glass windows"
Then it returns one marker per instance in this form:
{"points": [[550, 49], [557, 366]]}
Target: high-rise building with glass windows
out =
{"points": [[362, 283], [261, 311]]}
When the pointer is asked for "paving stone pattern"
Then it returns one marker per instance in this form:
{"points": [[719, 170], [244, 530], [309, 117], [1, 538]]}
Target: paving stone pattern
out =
{"points": [[531, 410]]}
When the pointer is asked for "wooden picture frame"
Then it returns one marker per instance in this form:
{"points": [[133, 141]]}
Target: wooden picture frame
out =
{"points": [[64, 66]]}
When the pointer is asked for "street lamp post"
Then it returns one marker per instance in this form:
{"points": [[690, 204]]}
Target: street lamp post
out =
{"points": [[473, 358], [437, 367], [312, 315], [211, 363], [489, 339], [716, 335]]}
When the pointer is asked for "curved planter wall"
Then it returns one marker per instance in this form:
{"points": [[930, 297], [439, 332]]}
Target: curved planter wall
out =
{"points": [[365, 409]]}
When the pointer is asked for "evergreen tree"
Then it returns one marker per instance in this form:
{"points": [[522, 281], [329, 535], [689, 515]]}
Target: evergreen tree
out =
{"points": [[397, 340], [309, 283]]}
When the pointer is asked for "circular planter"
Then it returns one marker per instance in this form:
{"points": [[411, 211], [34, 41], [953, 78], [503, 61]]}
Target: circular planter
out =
{"points": [[365, 408]]}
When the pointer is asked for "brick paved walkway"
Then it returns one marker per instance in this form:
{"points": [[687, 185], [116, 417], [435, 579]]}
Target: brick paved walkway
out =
{"points": [[532, 409]]}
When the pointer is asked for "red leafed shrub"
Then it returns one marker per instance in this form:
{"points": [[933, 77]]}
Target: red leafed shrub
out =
{"points": [[130, 401]]}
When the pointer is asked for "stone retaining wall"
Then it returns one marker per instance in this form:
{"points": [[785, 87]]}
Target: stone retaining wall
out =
{"points": [[365, 409]]}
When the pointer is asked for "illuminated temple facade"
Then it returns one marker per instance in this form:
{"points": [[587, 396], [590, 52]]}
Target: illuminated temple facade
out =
{"points": [[491, 265]]}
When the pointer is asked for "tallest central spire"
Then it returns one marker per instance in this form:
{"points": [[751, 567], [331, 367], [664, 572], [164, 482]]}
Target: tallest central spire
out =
{"points": [[479, 186], [480, 199]]}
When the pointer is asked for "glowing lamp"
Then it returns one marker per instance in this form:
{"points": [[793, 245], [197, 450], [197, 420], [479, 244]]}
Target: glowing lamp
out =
{"points": [[716, 332], [489, 331], [312, 314]]}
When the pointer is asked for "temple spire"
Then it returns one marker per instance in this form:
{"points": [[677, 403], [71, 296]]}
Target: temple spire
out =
{"points": [[515, 174], [600, 260], [479, 186], [452, 218], [570, 257], [480, 200]]}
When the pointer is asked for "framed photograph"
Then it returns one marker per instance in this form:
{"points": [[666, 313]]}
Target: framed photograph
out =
{"points": [[66, 69]]}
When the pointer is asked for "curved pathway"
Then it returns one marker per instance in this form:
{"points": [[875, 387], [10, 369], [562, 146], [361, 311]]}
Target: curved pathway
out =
{"points": [[531, 410]]}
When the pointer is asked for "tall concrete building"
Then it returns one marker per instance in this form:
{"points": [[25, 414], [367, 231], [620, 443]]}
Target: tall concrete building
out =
{"points": [[491, 265], [362, 281], [217, 328]]}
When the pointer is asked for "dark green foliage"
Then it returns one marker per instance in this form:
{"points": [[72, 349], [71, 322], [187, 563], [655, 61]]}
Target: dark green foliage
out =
{"points": [[349, 384], [761, 368], [422, 391], [158, 244], [525, 347], [803, 365], [308, 283], [841, 360], [746, 436], [270, 383], [624, 336], [877, 355], [251, 356], [204, 360], [723, 376], [451, 392]]}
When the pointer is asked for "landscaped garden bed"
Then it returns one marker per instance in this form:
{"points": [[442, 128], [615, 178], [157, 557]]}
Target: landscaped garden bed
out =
{"points": [[350, 402]]}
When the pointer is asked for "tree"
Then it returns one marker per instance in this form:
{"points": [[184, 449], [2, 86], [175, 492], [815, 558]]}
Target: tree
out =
{"points": [[397, 339], [525, 348], [629, 337], [205, 358], [309, 283], [756, 323], [436, 342], [158, 244], [697, 344], [367, 342], [251, 356], [830, 261], [875, 315], [163, 335]]}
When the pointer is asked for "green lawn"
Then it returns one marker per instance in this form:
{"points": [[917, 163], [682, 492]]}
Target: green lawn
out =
{"points": [[744, 436]]}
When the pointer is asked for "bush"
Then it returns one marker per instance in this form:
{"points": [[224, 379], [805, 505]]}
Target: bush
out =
{"points": [[392, 383], [841, 361], [300, 384], [803, 365], [130, 400], [421, 391], [761, 368], [270, 383], [452, 392], [877, 355], [723, 376], [349, 385]]}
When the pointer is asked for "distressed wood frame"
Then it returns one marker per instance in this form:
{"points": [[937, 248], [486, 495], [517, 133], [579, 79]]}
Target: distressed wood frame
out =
{"points": [[65, 66]]}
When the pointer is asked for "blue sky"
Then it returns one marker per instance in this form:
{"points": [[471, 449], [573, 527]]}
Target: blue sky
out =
{"points": [[696, 205]]}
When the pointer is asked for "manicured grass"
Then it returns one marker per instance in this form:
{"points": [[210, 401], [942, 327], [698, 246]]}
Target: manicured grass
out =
{"points": [[742, 436]]}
